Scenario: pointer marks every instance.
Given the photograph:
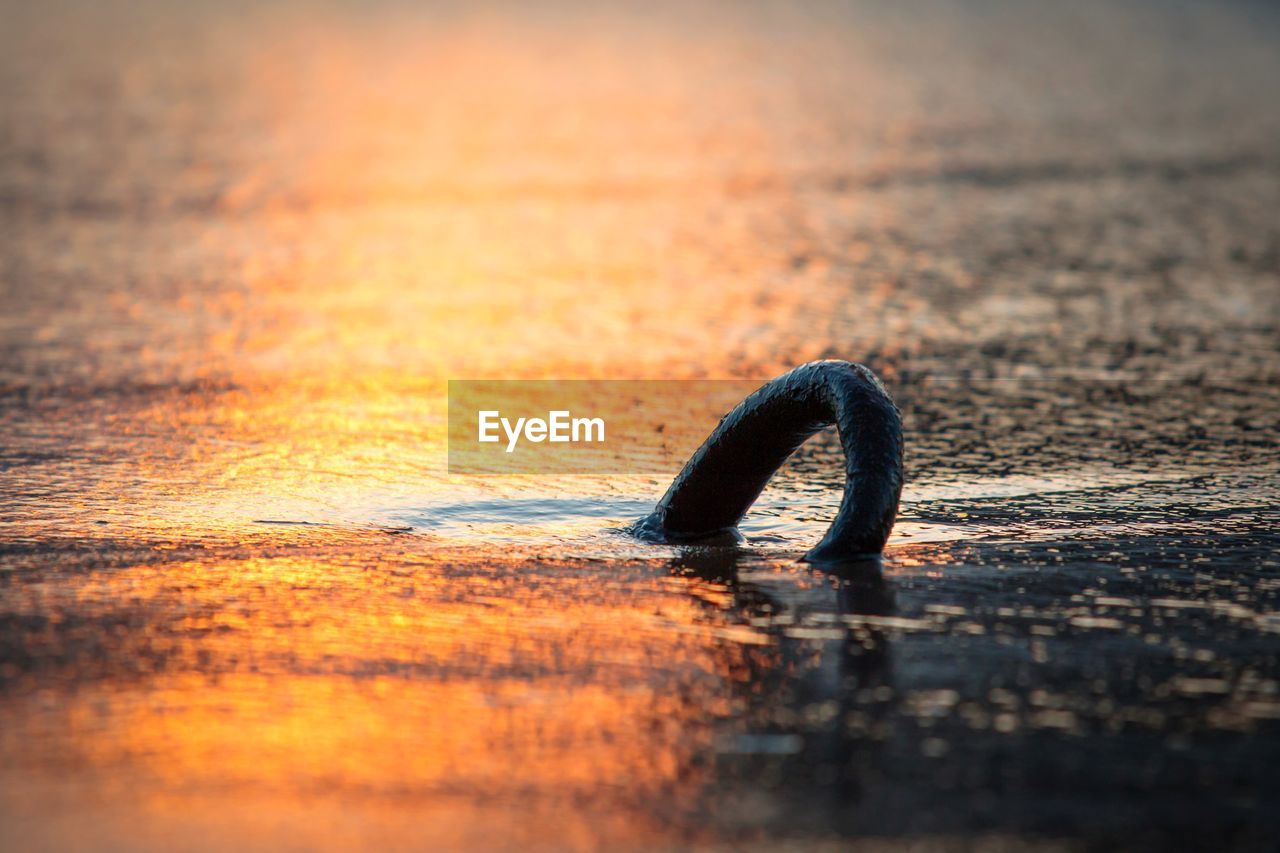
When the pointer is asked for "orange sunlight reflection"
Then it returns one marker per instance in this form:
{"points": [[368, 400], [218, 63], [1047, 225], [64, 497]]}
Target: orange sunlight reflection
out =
{"points": [[372, 206], [293, 677]]}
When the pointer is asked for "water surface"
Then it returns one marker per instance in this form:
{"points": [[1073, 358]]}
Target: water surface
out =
{"points": [[244, 603]]}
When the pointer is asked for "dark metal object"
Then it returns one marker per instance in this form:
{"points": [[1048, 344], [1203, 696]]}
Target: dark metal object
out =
{"points": [[724, 477]]}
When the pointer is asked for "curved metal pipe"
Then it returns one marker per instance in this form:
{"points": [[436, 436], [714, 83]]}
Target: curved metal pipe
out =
{"points": [[724, 477]]}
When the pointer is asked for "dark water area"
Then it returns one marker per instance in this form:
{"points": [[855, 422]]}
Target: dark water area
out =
{"points": [[245, 603]]}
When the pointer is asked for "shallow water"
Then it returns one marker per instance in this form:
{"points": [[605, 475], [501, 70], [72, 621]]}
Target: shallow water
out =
{"points": [[243, 602]]}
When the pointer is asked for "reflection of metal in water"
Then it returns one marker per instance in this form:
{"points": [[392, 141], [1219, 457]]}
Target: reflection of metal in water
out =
{"points": [[814, 696]]}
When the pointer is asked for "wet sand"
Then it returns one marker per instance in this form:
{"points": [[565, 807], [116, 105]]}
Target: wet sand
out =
{"points": [[244, 248]]}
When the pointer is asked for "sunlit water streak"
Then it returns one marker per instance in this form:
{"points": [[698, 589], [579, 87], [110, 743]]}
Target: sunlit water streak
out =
{"points": [[245, 604]]}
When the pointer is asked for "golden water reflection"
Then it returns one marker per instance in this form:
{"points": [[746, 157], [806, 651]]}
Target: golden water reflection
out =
{"points": [[310, 220], [256, 316], [534, 703], [252, 319], [246, 247]]}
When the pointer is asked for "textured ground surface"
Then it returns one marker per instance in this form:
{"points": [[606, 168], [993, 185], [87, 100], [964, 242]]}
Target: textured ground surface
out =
{"points": [[244, 247]]}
